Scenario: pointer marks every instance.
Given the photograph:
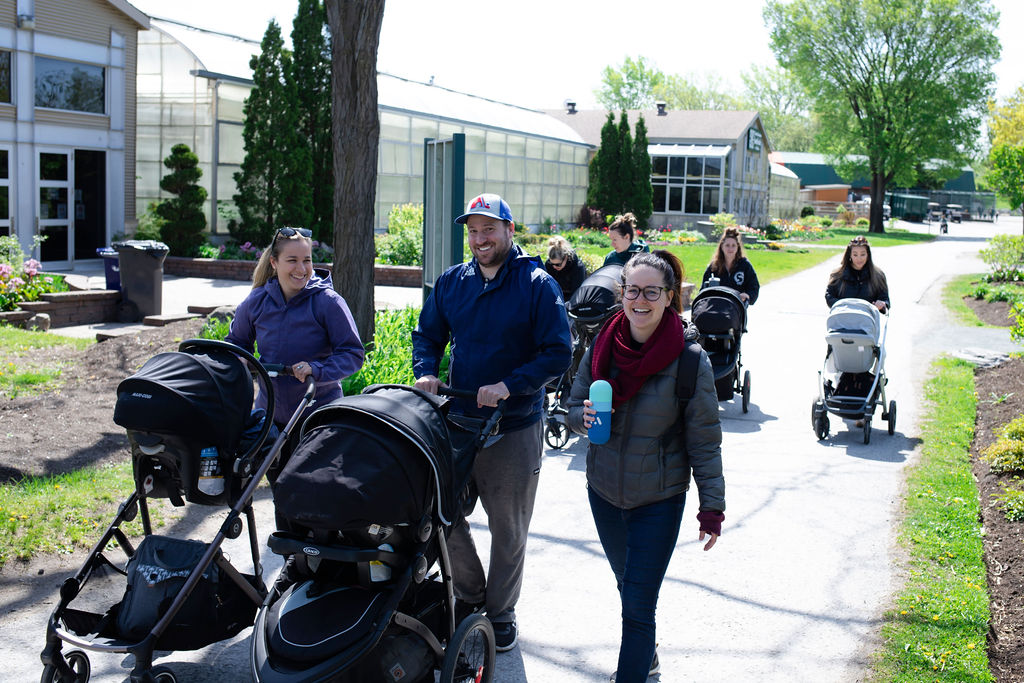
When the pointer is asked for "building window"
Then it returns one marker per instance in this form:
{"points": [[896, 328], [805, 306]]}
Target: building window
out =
{"points": [[688, 184], [5, 192], [70, 85], [5, 76]]}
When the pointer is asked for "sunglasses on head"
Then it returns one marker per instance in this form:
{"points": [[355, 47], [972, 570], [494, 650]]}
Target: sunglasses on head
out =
{"points": [[859, 241], [291, 232]]}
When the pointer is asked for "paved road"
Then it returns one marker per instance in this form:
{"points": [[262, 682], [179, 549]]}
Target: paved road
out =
{"points": [[794, 589]]}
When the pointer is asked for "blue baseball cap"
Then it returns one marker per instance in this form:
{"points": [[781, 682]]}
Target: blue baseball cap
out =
{"points": [[487, 205]]}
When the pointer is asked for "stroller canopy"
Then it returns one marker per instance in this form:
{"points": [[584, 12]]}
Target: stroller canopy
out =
{"points": [[598, 296], [854, 316], [717, 310], [368, 459], [205, 397]]}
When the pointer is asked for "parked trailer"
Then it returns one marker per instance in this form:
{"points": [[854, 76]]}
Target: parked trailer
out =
{"points": [[909, 207]]}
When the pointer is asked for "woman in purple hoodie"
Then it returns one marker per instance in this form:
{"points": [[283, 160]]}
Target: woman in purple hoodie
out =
{"points": [[294, 317]]}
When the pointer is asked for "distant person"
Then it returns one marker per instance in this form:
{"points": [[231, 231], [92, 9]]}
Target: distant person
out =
{"points": [[504, 318], [565, 266], [857, 277], [637, 481], [622, 232], [730, 265]]}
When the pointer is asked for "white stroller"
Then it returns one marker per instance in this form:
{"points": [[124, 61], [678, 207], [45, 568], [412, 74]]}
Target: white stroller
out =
{"points": [[852, 381]]}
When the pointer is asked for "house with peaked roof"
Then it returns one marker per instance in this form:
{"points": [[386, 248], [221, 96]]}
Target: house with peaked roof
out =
{"points": [[702, 162], [67, 124]]}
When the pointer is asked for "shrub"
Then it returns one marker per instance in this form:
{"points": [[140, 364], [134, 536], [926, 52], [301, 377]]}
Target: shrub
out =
{"points": [[21, 279], [1014, 429], [1005, 455], [863, 222], [389, 361], [150, 224], [826, 222], [721, 221], [1005, 257], [1011, 503], [591, 262], [403, 243], [588, 238], [183, 213], [806, 211]]}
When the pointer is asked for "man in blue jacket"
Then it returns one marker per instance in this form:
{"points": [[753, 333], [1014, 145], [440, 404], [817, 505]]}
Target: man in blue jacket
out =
{"points": [[509, 334]]}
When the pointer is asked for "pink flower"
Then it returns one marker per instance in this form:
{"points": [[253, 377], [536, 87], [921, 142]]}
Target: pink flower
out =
{"points": [[5, 270], [247, 246], [32, 267], [16, 282]]}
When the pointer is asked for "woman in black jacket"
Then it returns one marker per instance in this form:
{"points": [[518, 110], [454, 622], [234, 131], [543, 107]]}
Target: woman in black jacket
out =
{"points": [[857, 277], [565, 266], [637, 480], [731, 267]]}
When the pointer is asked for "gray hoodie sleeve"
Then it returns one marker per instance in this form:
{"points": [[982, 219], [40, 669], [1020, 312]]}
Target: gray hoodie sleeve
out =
{"points": [[704, 439], [580, 392]]}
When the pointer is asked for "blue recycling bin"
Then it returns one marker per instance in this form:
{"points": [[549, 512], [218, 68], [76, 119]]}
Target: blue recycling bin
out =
{"points": [[111, 267]]}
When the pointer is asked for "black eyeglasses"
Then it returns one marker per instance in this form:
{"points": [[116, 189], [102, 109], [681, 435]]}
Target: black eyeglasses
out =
{"points": [[652, 293], [291, 232]]}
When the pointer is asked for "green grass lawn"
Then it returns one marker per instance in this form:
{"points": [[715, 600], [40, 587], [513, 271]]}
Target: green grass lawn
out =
{"points": [[18, 377], [841, 236], [953, 297], [936, 627], [769, 264]]}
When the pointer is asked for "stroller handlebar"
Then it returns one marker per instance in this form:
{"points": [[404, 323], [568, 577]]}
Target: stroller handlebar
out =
{"points": [[491, 425]]}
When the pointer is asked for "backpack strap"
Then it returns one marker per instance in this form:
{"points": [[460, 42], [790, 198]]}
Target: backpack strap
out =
{"points": [[686, 384]]}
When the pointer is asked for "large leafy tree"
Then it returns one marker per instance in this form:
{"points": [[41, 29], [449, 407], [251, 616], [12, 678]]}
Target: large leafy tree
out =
{"points": [[1006, 120], [783, 105], [184, 220], [694, 93], [355, 35], [897, 81], [276, 175], [631, 86], [1007, 174], [311, 75]]}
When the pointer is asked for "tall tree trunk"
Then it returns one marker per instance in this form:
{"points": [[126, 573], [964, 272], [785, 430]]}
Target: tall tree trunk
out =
{"points": [[877, 213], [355, 34]]}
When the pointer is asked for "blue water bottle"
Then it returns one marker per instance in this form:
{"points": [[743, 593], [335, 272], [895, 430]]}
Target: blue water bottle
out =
{"points": [[601, 396]]}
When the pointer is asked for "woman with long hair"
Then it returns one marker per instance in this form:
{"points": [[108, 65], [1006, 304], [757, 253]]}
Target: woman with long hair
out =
{"points": [[637, 480], [857, 277], [565, 266], [730, 265], [622, 232]]}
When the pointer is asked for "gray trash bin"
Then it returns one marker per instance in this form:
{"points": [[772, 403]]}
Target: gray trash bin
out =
{"points": [[142, 278]]}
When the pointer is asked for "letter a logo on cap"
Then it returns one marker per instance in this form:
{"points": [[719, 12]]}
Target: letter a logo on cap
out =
{"points": [[479, 203], [487, 204]]}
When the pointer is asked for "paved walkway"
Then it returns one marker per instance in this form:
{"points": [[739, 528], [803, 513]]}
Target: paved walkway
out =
{"points": [[181, 292], [796, 587]]}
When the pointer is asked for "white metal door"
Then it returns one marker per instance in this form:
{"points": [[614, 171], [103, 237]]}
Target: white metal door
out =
{"points": [[55, 219]]}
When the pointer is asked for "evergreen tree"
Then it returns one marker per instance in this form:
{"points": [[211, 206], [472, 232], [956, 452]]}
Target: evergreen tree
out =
{"points": [[594, 180], [311, 76], [627, 175], [274, 185], [609, 194], [641, 202], [185, 221]]}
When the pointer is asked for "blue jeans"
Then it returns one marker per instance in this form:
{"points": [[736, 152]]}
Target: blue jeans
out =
{"points": [[638, 544]]}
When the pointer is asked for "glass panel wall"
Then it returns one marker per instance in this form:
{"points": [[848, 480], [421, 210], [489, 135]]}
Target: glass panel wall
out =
{"points": [[689, 185]]}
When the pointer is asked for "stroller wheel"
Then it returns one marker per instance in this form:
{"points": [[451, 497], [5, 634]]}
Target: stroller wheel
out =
{"points": [[161, 674], [745, 391], [556, 434], [79, 663], [469, 657], [891, 417], [867, 429]]}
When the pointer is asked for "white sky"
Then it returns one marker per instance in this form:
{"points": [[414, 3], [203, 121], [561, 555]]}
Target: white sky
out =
{"points": [[538, 53]]}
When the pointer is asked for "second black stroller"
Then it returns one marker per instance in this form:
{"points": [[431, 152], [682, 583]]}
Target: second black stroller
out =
{"points": [[590, 305], [371, 493], [193, 438], [721, 318]]}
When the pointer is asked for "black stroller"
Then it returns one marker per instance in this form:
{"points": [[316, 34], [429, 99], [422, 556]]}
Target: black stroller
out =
{"points": [[193, 438], [590, 305], [371, 493], [721, 318]]}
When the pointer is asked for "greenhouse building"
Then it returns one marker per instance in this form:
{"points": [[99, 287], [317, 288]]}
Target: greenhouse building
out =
{"points": [[192, 84]]}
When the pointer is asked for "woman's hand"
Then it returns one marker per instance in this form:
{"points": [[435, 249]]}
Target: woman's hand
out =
{"points": [[711, 541], [880, 305], [589, 413], [302, 370], [744, 297]]}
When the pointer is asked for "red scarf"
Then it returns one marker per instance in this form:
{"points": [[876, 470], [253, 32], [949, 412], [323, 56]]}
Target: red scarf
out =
{"points": [[614, 346]]}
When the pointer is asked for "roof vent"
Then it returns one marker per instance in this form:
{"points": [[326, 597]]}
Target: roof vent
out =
{"points": [[661, 108], [570, 107]]}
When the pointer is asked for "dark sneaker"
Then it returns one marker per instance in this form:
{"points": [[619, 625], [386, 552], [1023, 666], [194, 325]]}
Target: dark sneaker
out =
{"points": [[505, 636], [655, 667]]}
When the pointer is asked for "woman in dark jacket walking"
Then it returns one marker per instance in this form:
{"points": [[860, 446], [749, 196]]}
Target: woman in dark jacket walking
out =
{"points": [[625, 245], [565, 266], [637, 480], [857, 277], [731, 267]]}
